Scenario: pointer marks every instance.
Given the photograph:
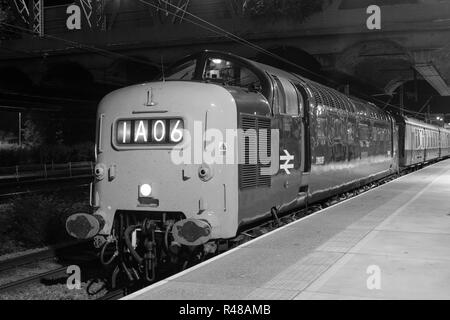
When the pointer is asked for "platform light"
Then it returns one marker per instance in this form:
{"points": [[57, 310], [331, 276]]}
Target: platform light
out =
{"points": [[145, 190]]}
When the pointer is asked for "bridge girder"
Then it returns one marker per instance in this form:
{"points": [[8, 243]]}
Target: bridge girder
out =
{"points": [[31, 12]]}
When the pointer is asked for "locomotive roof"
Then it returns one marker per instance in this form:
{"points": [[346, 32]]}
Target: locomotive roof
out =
{"points": [[330, 97], [322, 94]]}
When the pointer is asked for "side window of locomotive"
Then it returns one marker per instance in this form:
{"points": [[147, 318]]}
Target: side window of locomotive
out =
{"points": [[302, 98], [363, 131], [279, 98], [292, 97], [321, 127], [183, 71], [350, 132], [230, 73]]}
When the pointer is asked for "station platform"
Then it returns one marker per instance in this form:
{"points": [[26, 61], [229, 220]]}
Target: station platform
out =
{"points": [[392, 242]]}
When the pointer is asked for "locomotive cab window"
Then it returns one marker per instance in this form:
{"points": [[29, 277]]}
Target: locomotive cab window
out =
{"points": [[183, 71], [230, 73]]}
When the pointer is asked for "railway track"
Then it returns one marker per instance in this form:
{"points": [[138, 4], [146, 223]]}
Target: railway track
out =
{"points": [[66, 255], [13, 285], [45, 254]]}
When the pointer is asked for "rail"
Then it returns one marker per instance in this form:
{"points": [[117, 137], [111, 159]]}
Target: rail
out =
{"points": [[65, 253], [46, 171]]}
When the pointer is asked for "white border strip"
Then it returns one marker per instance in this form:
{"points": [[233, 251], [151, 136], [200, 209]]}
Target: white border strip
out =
{"points": [[162, 282]]}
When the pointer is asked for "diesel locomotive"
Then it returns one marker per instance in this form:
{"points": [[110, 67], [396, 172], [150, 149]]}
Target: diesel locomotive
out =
{"points": [[221, 142]]}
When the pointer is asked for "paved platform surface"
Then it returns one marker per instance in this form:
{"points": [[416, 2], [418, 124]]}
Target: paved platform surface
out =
{"points": [[392, 242]]}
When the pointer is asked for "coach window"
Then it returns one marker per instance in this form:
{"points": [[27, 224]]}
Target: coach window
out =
{"points": [[417, 138]]}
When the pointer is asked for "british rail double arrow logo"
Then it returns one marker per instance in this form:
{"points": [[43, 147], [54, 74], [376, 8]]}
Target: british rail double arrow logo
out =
{"points": [[287, 158]]}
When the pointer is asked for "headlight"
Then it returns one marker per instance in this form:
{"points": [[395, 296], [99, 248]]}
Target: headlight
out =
{"points": [[145, 190]]}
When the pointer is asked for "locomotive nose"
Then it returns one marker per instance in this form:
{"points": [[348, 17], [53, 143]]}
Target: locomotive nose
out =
{"points": [[172, 162]]}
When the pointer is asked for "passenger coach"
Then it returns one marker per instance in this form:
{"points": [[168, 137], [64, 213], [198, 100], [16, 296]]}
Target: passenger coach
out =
{"points": [[421, 142]]}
